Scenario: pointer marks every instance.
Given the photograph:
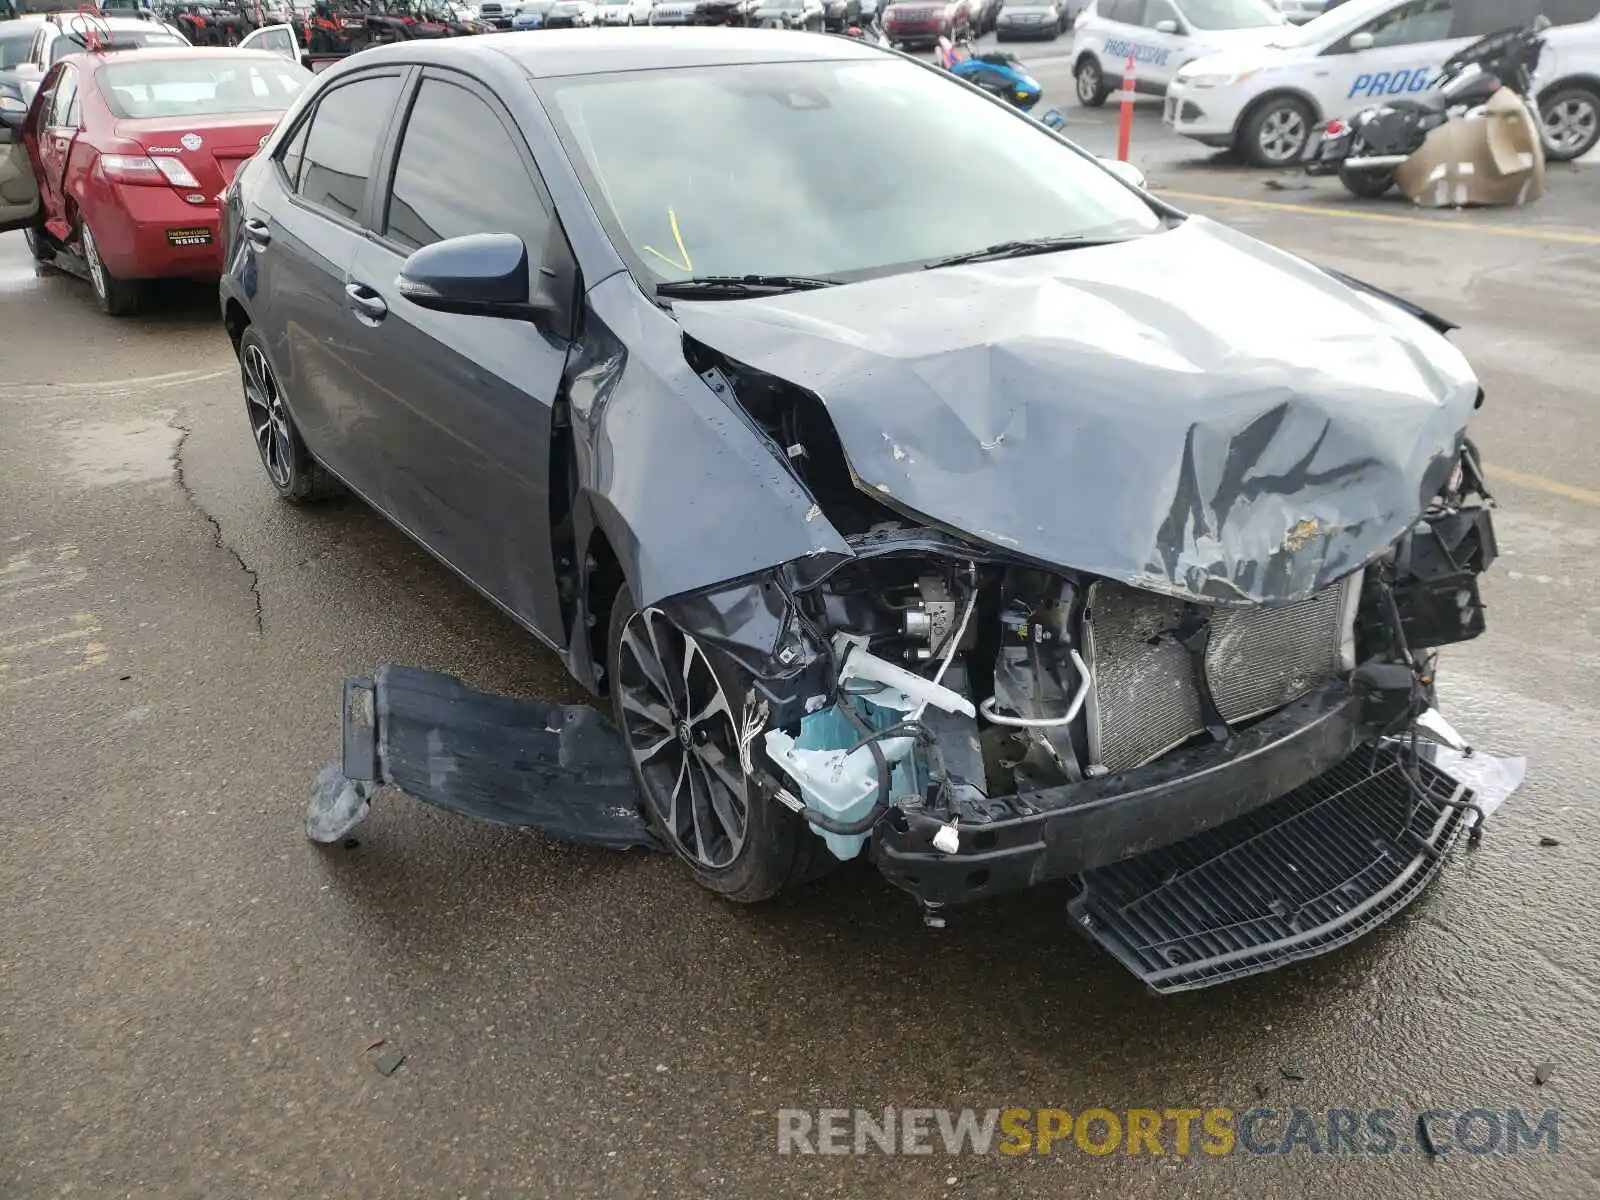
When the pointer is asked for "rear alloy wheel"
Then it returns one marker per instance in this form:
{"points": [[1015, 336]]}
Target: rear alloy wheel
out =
{"points": [[681, 715], [291, 470], [1276, 133], [1091, 82], [118, 297], [1571, 123]]}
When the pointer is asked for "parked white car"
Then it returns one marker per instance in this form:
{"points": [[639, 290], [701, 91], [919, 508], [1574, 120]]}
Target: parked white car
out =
{"points": [[623, 12], [1160, 36], [1265, 100]]}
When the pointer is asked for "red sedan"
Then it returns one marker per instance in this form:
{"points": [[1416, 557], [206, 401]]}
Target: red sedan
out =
{"points": [[116, 168]]}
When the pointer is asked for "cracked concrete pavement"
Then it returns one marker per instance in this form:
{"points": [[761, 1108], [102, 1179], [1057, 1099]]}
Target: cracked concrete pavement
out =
{"points": [[192, 997]]}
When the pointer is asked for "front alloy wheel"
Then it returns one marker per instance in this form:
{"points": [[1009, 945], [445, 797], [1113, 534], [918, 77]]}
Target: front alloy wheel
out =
{"points": [[1276, 135], [1571, 124], [681, 715], [680, 731], [1091, 84]]}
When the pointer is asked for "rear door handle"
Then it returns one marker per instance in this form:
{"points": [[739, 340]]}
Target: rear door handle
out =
{"points": [[257, 233], [365, 302]]}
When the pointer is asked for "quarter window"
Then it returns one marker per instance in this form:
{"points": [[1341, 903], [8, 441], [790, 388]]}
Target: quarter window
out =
{"points": [[448, 185], [343, 141]]}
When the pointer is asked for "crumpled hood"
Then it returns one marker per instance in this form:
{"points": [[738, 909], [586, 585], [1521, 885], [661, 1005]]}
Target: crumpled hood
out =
{"points": [[1194, 412]]}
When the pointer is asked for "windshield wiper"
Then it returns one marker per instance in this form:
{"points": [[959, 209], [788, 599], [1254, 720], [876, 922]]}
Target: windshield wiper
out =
{"points": [[736, 286], [1022, 249]]}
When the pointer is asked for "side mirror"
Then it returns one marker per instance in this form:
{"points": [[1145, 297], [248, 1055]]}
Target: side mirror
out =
{"points": [[1361, 41], [1167, 26], [479, 275], [1125, 171]]}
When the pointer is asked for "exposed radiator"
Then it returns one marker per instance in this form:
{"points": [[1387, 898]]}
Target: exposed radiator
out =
{"points": [[1146, 698]]}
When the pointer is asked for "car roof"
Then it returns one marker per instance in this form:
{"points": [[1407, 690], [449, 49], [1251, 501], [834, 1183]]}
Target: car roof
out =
{"points": [[93, 62], [550, 53]]}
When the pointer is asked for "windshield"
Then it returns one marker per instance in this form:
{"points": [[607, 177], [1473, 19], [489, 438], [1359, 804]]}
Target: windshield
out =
{"points": [[1331, 25], [840, 169], [1230, 14], [72, 43], [200, 87], [14, 45]]}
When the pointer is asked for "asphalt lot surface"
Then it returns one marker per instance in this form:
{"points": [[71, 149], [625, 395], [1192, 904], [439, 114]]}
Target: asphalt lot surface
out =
{"points": [[192, 996]]}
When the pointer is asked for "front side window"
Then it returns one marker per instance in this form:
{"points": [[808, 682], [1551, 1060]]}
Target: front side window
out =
{"points": [[201, 87], [343, 141], [1230, 14], [1410, 24], [757, 189], [446, 185]]}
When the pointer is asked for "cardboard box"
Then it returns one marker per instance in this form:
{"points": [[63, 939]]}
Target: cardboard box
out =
{"points": [[1494, 157]]}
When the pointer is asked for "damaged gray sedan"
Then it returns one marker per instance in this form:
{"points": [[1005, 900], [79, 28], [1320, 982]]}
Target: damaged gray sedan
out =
{"points": [[904, 482]]}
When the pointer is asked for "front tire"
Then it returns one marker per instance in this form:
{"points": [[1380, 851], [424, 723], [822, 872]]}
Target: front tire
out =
{"points": [[1368, 184], [1571, 119], [1091, 82], [294, 474], [117, 297], [680, 714], [1276, 132]]}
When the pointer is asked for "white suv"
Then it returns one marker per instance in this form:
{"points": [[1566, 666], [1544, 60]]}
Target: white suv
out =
{"points": [[1266, 100], [61, 34], [1161, 36]]}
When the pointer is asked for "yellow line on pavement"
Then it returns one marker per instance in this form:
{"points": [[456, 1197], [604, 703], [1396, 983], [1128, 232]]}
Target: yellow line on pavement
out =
{"points": [[1548, 235], [1539, 483]]}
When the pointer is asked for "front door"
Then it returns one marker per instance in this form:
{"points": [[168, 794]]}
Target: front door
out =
{"points": [[462, 405], [56, 120], [19, 190], [278, 39], [1397, 53]]}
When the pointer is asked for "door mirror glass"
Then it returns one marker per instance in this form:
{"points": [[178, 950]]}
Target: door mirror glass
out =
{"points": [[479, 274], [1124, 171], [1361, 41], [1167, 25]]}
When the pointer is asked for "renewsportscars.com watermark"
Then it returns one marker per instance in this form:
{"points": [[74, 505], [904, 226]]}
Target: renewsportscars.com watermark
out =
{"points": [[1374, 1132]]}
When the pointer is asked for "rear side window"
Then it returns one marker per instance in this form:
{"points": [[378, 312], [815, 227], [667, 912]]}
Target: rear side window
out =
{"points": [[447, 185], [1571, 12], [343, 142]]}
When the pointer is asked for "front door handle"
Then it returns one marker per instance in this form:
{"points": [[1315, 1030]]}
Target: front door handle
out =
{"points": [[257, 233], [365, 302]]}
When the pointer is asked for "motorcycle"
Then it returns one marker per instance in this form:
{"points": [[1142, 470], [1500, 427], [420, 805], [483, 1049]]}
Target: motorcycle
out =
{"points": [[995, 71], [1367, 150]]}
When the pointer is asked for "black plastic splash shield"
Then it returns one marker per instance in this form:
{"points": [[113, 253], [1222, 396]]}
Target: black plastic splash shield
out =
{"points": [[556, 768], [1304, 875]]}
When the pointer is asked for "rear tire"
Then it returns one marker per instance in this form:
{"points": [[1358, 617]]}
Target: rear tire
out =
{"points": [[771, 849], [294, 474], [39, 243], [1368, 184], [117, 297], [1091, 82]]}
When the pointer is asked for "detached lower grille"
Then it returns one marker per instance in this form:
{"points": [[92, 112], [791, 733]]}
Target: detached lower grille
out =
{"points": [[1146, 697]]}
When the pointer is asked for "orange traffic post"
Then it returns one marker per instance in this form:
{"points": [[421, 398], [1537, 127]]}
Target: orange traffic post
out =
{"points": [[1125, 120]]}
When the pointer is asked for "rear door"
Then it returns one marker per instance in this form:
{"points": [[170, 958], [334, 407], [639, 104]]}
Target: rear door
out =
{"points": [[58, 117], [462, 405], [304, 225]]}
